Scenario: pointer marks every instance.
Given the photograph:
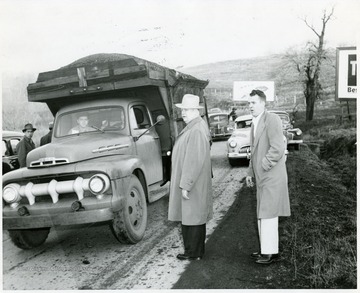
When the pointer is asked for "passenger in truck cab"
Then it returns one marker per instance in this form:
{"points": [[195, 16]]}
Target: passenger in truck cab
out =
{"points": [[82, 126]]}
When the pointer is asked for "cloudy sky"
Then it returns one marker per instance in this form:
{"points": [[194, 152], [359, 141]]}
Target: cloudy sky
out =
{"points": [[39, 35]]}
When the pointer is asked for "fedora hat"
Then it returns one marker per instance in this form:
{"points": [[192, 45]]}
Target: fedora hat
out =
{"points": [[28, 126], [189, 101]]}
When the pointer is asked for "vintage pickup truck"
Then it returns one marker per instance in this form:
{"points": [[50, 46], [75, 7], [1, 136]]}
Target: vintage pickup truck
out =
{"points": [[110, 154]]}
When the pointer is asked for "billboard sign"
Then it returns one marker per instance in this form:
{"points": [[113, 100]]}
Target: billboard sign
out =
{"points": [[242, 89], [346, 73]]}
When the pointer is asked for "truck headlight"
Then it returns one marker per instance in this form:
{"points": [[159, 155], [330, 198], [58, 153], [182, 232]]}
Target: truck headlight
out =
{"points": [[232, 143], [298, 132], [99, 183], [11, 193]]}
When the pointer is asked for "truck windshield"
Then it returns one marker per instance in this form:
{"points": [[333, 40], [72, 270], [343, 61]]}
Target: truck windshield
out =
{"points": [[89, 120]]}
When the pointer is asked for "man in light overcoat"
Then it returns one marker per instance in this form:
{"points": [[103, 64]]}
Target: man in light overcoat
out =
{"points": [[267, 166], [190, 188]]}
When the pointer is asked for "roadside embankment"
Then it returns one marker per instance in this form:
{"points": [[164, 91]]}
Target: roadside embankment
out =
{"points": [[317, 243]]}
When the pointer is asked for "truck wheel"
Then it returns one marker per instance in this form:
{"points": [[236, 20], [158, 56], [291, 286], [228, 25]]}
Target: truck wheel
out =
{"points": [[29, 238], [129, 224]]}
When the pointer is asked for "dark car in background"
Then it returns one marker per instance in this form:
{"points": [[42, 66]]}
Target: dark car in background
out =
{"points": [[10, 139], [220, 126], [293, 135]]}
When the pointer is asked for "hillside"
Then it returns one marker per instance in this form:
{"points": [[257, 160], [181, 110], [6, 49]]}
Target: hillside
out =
{"points": [[275, 67], [17, 110]]}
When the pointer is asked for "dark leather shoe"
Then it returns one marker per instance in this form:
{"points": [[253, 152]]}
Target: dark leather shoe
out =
{"points": [[266, 259], [188, 257], [255, 255]]}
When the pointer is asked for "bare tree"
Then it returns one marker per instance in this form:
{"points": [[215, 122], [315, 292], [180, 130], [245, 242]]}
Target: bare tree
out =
{"points": [[309, 64]]}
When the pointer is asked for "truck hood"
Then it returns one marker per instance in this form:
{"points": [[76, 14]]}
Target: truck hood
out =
{"points": [[79, 148]]}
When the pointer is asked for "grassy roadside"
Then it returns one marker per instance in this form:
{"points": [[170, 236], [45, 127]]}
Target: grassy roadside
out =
{"points": [[317, 243], [319, 239]]}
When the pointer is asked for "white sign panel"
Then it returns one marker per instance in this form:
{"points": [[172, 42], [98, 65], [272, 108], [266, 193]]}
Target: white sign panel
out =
{"points": [[346, 73], [242, 89]]}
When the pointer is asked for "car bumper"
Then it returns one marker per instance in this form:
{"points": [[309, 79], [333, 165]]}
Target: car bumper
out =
{"points": [[220, 134], [297, 141], [237, 155]]}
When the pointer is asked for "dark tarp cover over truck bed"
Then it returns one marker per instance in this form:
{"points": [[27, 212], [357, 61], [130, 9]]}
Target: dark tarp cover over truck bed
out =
{"points": [[97, 74]]}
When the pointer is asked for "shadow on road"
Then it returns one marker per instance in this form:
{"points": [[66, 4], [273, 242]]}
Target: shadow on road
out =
{"points": [[227, 263]]}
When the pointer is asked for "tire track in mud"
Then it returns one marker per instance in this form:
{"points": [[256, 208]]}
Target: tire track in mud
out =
{"points": [[155, 266], [91, 258]]}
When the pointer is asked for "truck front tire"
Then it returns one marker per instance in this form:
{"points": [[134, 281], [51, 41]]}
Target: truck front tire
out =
{"points": [[129, 224], [29, 238]]}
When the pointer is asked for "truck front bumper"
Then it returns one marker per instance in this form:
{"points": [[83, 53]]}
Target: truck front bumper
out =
{"points": [[63, 219]]}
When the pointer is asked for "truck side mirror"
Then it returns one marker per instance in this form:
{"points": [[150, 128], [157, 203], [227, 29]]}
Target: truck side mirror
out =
{"points": [[159, 120]]}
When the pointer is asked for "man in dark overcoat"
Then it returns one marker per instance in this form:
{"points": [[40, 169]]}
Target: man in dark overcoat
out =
{"points": [[26, 144], [47, 137], [190, 188], [267, 165]]}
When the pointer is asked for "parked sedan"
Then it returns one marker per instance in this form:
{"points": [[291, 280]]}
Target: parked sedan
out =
{"points": [[220, 125], [239, 143], [238, 146], [293, 135], [9, 156]]}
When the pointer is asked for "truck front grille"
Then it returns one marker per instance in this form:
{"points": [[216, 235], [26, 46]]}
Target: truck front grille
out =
{"points": [[46, 162]]}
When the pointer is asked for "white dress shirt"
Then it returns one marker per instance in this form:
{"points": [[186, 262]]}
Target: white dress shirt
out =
{"points": [[256, 120]]}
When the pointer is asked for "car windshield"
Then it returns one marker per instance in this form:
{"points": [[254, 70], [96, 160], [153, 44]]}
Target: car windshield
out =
{"points": [[218, 118], [214, 110], [284, 118], [243, 124], [89, 120]]}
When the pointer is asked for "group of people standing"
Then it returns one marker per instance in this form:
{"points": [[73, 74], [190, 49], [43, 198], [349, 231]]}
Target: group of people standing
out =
{"points": [[190, 199]]}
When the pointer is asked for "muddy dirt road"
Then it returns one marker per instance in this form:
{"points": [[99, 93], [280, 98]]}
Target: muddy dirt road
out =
{"points": [[89, 257]]}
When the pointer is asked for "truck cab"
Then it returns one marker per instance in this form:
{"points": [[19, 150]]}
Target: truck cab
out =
{"points": [[110, 153]]}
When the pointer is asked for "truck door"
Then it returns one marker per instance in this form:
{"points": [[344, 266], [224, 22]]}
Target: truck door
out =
{"points": [[148, 146]]}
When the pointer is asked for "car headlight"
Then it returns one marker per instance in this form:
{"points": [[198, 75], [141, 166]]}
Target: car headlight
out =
{"points": [[11, 193], [298, 132], [232, 143], [99, 183]]}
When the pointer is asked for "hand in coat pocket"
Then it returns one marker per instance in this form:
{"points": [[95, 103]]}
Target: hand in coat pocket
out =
{"points": [[266, 164]]}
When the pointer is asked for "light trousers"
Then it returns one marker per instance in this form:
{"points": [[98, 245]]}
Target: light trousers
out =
{"points": [[269, 235]]}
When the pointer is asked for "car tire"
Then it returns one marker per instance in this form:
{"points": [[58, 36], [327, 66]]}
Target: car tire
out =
{"points": [[233, 162], [5, 168], [291, 147], [129, 224], [29, 238]]}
